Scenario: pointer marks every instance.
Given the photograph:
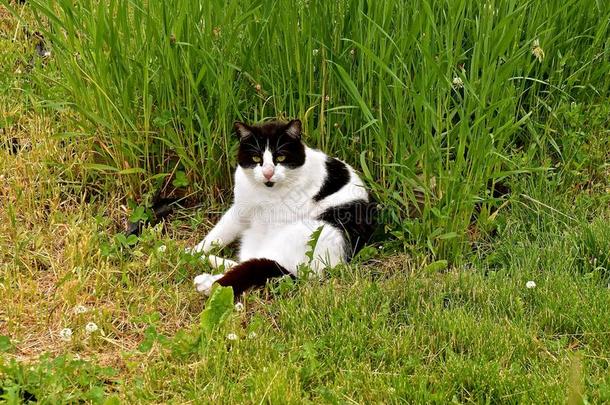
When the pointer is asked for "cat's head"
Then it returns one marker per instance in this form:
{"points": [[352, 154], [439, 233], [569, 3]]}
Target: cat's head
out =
{"points": [[270, 152]]}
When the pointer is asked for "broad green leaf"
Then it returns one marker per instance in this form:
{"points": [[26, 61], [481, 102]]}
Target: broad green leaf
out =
{"points": [[180, 180], [218, 307], [436, 266], [5, 343]]}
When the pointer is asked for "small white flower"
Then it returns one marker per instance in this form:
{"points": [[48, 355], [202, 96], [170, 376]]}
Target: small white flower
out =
{"points": [[315, 52], [239, 307], [65, 334], [80, 309], [251, 335], [232, 336], [352, 52], [457, 82], [91, 327], [161, 248], [530, 284]]}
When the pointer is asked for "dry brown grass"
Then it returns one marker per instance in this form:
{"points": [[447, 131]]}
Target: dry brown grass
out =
{"points": [[50, 260]]}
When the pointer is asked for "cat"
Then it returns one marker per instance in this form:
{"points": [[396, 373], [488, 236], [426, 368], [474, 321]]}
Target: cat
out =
{"points": [[284, 192]]}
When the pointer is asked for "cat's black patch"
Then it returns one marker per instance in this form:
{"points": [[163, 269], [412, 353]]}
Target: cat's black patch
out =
{"points": [[161, 208], [337, 176], [251, 273], [357, 221], [282, 139], [12, 145]]}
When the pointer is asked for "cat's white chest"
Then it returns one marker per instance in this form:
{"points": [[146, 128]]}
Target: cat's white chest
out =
{"points": [[281, 222], [269, 215]]}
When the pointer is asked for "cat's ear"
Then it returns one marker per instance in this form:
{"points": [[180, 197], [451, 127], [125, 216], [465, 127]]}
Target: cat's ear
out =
{"points": [[293, 129], [242, 130]]}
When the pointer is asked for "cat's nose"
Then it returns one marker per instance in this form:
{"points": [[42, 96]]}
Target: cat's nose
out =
{"points": [[268, 172]]}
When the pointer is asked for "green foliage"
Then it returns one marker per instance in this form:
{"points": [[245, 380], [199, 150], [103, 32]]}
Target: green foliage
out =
{"points": [[180, 180], [313, 242], [436, 266], [150, 337], [117, 245], [138, 215], [187, 342], [435, 97], [218, 307], [54, 380], [5, 343], [592, 250], [385, 328]]}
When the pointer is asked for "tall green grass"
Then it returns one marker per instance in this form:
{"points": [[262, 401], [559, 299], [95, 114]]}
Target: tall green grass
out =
{"points": [[447, 97]]}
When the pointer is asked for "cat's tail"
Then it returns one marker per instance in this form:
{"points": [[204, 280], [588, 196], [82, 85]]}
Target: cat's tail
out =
{"points": [[250, 274]]}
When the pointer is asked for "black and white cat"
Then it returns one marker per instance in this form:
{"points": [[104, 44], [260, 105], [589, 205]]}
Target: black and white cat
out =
{"points": [[284, 191]]}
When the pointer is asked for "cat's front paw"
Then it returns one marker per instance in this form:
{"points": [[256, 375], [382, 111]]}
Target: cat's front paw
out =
{"points": [[204, 282]]}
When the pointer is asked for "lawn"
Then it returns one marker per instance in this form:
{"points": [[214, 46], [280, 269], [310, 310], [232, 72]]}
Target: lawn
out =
{"points": [[483, 131]]}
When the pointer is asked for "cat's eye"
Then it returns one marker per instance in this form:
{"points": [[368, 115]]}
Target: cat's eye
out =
{"points": [[280, 158], [256, 159]]}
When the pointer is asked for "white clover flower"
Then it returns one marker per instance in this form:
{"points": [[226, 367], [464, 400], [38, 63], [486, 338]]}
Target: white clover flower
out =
{"points": [[239, 307], [80, 309], [232, 336], [91, 327], [530, 284], [65, 334], [161, 248], [457, 82], [252, 335]]}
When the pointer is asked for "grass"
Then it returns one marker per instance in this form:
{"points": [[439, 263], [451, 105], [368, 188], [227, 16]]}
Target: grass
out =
{"points": [[137, 97]]}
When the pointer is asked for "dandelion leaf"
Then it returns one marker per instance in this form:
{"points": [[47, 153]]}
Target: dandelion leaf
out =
{"points": [[218, 307]]}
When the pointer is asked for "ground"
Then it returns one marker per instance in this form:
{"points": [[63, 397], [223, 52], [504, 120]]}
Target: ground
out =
{"points": [[524, 319]]}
